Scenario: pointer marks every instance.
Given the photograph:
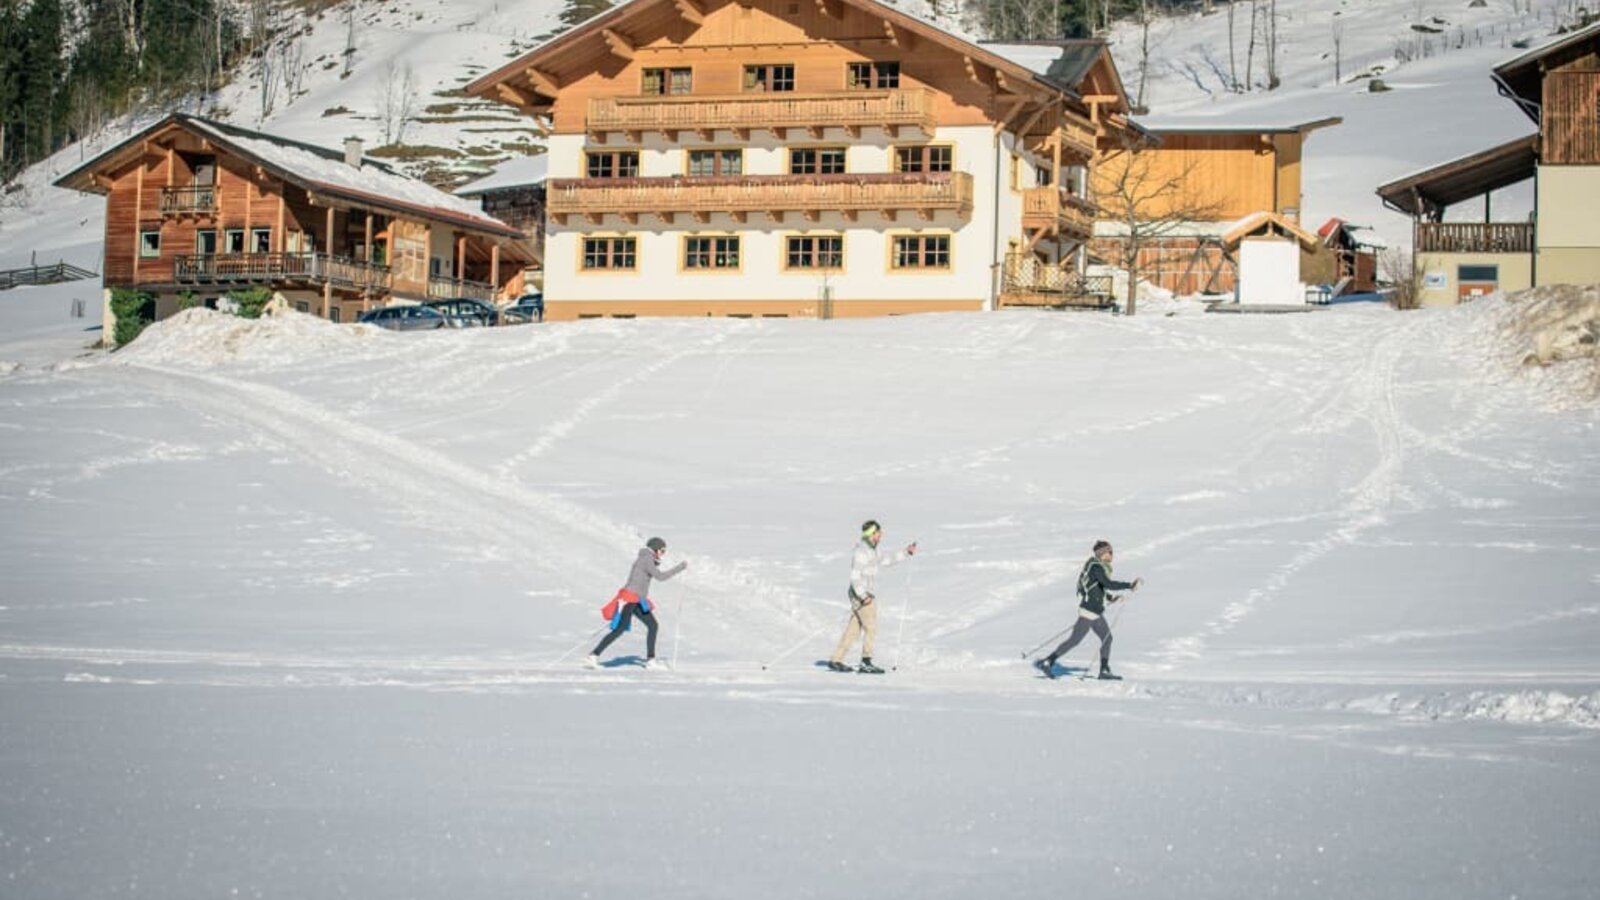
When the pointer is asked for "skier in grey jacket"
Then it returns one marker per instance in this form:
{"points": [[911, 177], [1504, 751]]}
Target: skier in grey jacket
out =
{"points": [[1093, 583], [864, 565], [633, 601]]}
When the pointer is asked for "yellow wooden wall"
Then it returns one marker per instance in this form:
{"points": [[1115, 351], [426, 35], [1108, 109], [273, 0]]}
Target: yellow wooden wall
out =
{"points": [[1226, 176]]}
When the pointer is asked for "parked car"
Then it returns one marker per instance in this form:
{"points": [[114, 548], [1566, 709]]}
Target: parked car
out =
{"points": [[464, 312], [527, 308], [404, 318]]}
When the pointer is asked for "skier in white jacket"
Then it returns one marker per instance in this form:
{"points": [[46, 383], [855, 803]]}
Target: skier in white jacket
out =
{"points": [[864, 565]]}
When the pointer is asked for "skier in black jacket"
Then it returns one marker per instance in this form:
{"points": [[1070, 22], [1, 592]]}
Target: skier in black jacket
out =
{"points": [[1093, 583]]}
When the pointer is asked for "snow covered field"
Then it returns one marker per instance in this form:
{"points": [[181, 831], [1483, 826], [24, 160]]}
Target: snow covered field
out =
{"points": [[295, 609]]}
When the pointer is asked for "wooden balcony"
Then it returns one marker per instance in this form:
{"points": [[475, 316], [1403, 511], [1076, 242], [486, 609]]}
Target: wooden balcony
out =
{"points": [[775, 112], [442, 288], [279, 268], [1056, 211], [196, 200], [1474, 237], [1028, 281], [774, 195], [1078, 137]]}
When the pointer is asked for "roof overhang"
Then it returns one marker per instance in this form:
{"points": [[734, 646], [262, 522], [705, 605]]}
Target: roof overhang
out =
{"points": [[1270, 223], [1429, 192], [1211, 125], [1521, 77]]}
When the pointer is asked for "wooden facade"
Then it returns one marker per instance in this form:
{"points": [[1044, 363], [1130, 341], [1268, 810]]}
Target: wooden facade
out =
{"points": [[1570, 129], [190, 209]]}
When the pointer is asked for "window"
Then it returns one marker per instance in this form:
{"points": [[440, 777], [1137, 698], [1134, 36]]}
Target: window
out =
{"points": [[610, 253], [333, 314], [233, 240], [205, 170], [149, 244], [924, 158], [261, 240], [613, 164], [816, 252], [716, 162], [711, 253], [860, 76], [921, 251], [302, 306], [668, 81], [205, 243], [816, 161], [1478, 273], [769, 78]]}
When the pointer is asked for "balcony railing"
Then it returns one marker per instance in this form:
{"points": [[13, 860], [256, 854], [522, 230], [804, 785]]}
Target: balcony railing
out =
{"points": [[442, 288], [1474, 237], [181, 200], [1078, 137], [1027, 280], [771, 111], [1054, 208], [741, 194], [270, 268]]}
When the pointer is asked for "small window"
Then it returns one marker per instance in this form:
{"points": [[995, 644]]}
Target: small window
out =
{"points": [[921, 251], [769, 78], [815, 252], [816, 161], [860, 76], [149, 244], [302, 306], [333, 314], [261, 240], [668, 81], [610, 253], [233, 240], [924, 158], [1478, 273], [613, 164], [711, 253], [205, 243], [716, 162], [205, 170]]}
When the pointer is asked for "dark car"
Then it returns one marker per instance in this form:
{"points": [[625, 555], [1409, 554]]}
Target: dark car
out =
{"points": [[464, 312], [527, 308], [404, 318]]}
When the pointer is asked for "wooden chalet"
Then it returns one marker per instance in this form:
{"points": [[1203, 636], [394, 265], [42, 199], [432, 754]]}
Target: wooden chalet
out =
{"points": [[816, 158], [1221, 171], [196, 208], [1558, 86]]}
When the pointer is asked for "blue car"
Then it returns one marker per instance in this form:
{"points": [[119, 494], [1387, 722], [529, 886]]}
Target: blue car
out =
{"points": [[403, 318], [527, 308]]}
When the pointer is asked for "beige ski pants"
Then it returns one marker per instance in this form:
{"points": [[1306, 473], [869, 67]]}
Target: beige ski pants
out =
{"points": [[863, 620]]}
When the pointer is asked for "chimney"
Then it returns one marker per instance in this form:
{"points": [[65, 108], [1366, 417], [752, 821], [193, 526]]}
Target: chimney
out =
{"points": [[352, 152]]}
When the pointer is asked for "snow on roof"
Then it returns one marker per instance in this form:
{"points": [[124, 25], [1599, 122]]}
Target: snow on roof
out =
{"points": [[1063, 63], [328, 169], [1250, 121], [1363, 236], [1534, 53], [521, 171]]}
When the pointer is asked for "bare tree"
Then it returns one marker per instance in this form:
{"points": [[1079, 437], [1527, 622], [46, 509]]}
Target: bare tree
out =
{"points": [[1272, 45], [1233, 68], [396, 96], [1338, 45], [1150, 197], [349, 39], [1250, 51]]}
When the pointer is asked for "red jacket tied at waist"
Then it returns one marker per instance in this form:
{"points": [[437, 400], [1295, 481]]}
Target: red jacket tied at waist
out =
{"points": [[623, 597]]}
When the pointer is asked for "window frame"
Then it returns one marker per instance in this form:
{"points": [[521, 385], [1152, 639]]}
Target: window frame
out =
{"points": [[924, 153], [611, 253], [814, 253], [255, 235], [817, 151], [199, 236], [877, 78], [712, 254], [1461, 272], [589, 157], [149, 249], [922, 252], [669, 81], [720, 152], [760, 78], [228, 234]]}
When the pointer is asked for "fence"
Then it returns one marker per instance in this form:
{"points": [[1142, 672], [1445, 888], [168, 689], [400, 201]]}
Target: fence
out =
{"points": [[33, 275]]}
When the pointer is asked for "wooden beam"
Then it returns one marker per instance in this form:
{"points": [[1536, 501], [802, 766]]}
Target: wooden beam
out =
{"points": [[632, 218], [812, 215], [666, 216], [633, 136], [972, 71], [277, 233], [171, 154], [1033, 120], [850, 215], [461, 258], [542, 81], [701, 216], [511, 95], [826, 8], [889, 32], [742, 134], [739, 216], [594, 218], [854, 131], [925, 215], [691, 11], [815, 131], [1002, 83], [327, 236], [774, 215], [559, 218], [889, 214], [138, 214], [494, 266], [1005, 119], [367, 252], [619, 45]]}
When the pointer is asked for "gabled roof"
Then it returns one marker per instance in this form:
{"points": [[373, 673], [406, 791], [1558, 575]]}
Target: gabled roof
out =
{"points": [[1271, 222], [1429, 192], [605, 23], [518, 172], [1064, 63], [1520, 77], [372, 184], [1249, 123]]}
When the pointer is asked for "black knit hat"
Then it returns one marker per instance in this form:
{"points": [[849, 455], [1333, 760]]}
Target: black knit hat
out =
{"points": [[656, 544]]}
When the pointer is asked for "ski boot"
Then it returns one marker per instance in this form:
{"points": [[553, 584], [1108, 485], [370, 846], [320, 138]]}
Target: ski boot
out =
{"points": [[592, 661], [1046, 666], [653, 663], [1106, 674], [836, 666], [867, 668]]}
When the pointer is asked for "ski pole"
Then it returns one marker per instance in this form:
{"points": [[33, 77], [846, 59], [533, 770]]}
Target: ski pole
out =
{"points": [[899, 639], [1047, 642], [677, 627], [797, 645], [592, 635]]}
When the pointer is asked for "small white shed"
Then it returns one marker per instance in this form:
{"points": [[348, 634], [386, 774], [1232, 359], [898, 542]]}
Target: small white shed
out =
{"points": [[1269, 249]]}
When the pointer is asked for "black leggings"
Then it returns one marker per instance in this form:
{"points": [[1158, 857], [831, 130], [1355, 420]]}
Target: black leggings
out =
{"points": [[632, 611], [1080, 630]]}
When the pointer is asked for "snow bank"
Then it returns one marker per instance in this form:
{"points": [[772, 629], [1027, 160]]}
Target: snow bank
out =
{"points": [[1556, 329], [1523, 707], [203, 338]]}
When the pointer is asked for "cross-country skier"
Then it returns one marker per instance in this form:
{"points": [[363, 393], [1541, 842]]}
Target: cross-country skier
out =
{"points": [[1093, 583], [864, 565], [633, 602]]}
